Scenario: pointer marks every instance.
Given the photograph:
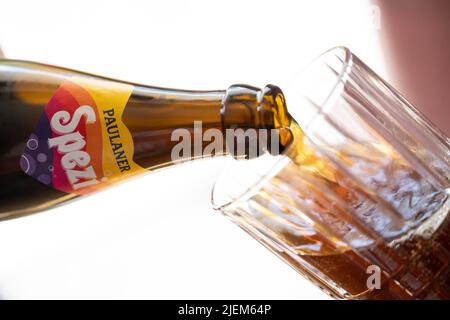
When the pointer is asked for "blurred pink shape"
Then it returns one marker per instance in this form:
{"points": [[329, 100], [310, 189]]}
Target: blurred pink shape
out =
{"points": [[416, 35]]}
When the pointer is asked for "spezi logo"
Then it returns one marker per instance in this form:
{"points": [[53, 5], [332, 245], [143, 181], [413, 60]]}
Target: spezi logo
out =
{"points": [[70, 143]]}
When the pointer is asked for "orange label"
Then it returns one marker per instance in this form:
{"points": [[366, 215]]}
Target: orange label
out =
{"points": [[80, 144]]}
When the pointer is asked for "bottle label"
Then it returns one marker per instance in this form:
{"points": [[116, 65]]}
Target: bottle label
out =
{"points": [[80, 144]]}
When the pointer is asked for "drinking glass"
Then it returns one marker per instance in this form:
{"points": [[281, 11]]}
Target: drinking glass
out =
{"points": [[359, 201]]}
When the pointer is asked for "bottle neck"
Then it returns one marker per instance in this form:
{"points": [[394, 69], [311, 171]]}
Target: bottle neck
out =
{"points": [[159, 109], [160, 119]]}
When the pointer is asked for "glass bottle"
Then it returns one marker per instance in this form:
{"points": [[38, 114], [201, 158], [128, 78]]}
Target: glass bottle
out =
{"points": [[64, 134]]}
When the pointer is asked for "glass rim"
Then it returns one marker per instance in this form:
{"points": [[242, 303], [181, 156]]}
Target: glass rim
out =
{"points": [[279, 163]]}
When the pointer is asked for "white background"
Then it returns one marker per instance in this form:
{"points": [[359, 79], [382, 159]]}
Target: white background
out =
{"points": [[157, 236]]}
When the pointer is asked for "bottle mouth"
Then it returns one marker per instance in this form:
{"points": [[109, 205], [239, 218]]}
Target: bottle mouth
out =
{"points": [[240, 180], [245, 106], [254, 121]]}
